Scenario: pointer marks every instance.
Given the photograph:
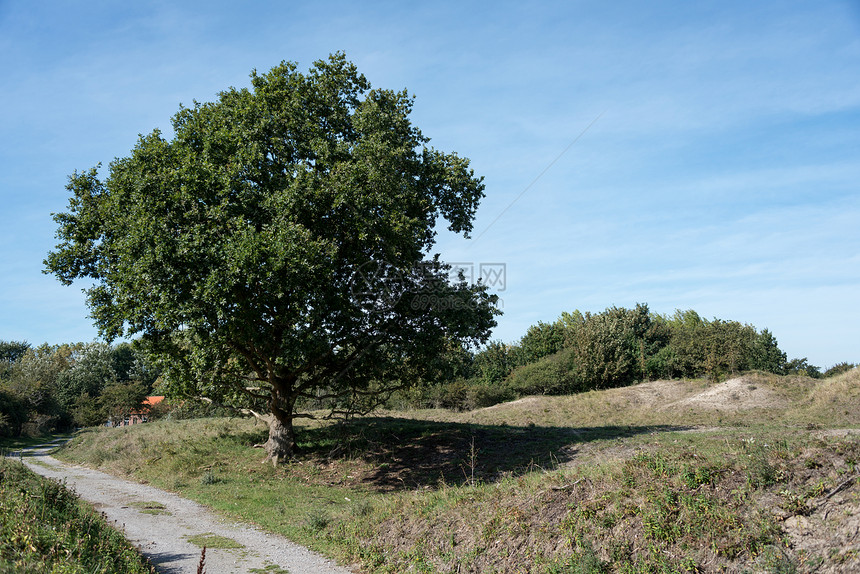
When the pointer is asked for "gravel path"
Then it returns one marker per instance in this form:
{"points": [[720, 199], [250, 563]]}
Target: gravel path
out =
{"points": [[162, 535]]}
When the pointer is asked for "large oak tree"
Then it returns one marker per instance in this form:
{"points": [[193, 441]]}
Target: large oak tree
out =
{"points": [[278, 247]]}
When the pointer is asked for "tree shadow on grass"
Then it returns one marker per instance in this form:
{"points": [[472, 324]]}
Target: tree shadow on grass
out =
{"points": [[404, 454]]}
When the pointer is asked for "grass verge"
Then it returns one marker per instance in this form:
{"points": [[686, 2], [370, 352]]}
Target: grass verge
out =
{"points": [[60, 535]]}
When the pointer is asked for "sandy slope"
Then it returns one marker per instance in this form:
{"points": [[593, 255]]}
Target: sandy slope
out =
{"points": [[734, 395], [163, 537]]}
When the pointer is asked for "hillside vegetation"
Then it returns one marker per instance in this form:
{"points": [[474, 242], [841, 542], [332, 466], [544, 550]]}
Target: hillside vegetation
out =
{"points": [[582, 352], [756, 473]]}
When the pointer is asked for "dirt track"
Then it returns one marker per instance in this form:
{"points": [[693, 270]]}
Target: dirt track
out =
{"points": [[162, 530]]}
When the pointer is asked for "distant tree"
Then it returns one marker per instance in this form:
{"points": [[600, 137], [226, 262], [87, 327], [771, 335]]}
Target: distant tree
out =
{"points": [[687, 341], [728, 347], [765, 354], [10, 353], [609, 347], [457, 362], [14, 412], [123, 360], [121, 399], [698, 347], [803, 368], [143, 370], [619, 346], [277, 248], [541, 340], [554, 374], [493, 362], [54, 386], [570, 322], [87, 411], [656, 357], [838, 369], [33, 383], [91, 370], [663, 363], [516, 355]]}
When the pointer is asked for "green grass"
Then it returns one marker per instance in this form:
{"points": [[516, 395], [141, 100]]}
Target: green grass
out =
{"points": [[210, 540], [149, 507], [600, 482], [60, 534]]}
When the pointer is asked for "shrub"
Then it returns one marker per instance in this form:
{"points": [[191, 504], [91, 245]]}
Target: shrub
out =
{"points": [[552, 375], [484, 394], [838, 369]]}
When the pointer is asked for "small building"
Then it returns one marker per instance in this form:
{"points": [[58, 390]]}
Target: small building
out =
{"points": [[141, 415]]}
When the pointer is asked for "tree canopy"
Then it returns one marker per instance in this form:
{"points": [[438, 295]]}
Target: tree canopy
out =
{"points": [[278, 246], [54, 387]]}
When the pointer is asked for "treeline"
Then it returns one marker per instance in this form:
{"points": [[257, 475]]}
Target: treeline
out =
{"points": [[584, 351], [56, 387]]}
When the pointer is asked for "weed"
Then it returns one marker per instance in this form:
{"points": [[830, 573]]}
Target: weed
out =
{"points": [[472, 462], [774, 560], [695, 476], [584, 560], [361, 508], [760, 472], [208, 478], [317, 520], [201, 566], [793, 503]]}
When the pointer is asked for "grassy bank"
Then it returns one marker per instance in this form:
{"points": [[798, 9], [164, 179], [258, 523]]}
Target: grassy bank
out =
{"points": [[44, 528], [757, 474]]}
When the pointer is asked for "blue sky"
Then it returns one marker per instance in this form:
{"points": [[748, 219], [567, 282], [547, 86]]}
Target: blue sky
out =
{"points": [[687, 155]]}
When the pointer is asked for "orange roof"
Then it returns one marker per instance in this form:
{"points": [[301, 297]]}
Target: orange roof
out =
{"points": [[152, 401]]}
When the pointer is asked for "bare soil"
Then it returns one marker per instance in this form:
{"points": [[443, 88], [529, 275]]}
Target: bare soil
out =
{"points": [[832, 530]]}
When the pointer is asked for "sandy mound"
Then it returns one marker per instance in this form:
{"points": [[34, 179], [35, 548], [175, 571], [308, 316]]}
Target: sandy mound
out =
{"points": [[652, 393], [734, 395], [525, 401]]}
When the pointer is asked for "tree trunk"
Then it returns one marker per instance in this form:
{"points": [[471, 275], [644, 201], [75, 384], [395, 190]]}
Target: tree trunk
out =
{"points": [[282, 439]]}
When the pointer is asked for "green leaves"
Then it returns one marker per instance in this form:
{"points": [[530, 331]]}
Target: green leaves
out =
{"points": [[233, 246], [620, 346]]}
